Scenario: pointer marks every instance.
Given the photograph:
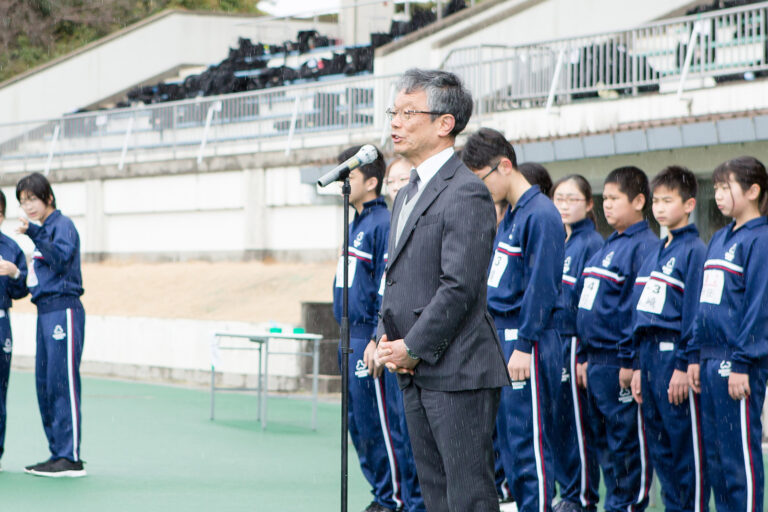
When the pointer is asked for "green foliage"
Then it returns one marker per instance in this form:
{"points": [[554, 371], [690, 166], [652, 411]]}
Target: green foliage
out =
{"points": [[32, 32]]}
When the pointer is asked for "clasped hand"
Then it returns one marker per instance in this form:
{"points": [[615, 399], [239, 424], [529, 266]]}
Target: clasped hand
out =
{"points": [[394, 357]]}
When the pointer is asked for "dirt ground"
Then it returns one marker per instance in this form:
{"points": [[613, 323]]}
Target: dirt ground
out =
{"points": [[250, 292]]}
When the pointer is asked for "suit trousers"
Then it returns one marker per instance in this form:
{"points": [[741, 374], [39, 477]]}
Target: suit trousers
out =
{"points": [[733, 433], [451, 434]]}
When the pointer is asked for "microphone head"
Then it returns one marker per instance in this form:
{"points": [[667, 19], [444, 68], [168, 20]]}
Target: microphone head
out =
{"points": [[367, 154]]}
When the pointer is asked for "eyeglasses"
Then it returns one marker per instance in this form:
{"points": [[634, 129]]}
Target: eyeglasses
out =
{"points": [[489, 172], [405, 115], [568, 199]]}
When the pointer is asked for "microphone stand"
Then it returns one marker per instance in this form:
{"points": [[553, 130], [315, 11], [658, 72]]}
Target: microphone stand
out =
{"points": [[345, 350]]}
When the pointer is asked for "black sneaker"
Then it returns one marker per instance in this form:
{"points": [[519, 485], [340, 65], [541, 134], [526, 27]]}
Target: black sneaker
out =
{"points": [[57, 468]]}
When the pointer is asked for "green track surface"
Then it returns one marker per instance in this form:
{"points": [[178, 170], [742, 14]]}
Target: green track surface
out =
{"points": [[153, 448]]}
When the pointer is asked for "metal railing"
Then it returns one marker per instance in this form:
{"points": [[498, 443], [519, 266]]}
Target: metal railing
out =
{"points": [[712, 47], [717, 46]]}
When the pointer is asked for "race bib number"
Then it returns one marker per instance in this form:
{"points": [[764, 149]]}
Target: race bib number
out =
{"points": [[588, 293], [653, 297], [712, 287], [500, 262], [381, 286], [340, 271]]}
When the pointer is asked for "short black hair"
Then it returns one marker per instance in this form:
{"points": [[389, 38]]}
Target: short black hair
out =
{"points": [[632, 181], [374, 169], [484, 146], [537, 174], [37, 185], [678, 178], [2, 203]]}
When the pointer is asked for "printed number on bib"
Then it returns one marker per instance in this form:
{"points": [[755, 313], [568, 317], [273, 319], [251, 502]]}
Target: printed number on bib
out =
{"points": [[588, 293], [653, 297], [500, 261], [340, 271], [712, 287]]}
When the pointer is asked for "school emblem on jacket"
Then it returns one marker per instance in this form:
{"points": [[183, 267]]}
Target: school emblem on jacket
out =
{"points": [[725, 368], [7, 346], [625, 395], [607, 260], [731, 252], [567, 265], [58, 333], [361, 371], [669, 266], [565, 375], [359, 240]]}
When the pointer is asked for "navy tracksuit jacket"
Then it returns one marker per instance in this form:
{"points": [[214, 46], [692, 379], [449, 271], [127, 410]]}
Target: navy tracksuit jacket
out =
{"points": [[56, 286], [667, 288], [576, 468], [369, 414], [731, 335], [9, 289], [604, 324], [523, 287]]}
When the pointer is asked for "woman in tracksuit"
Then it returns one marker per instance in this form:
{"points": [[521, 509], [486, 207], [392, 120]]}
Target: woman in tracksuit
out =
{"points": [[730, 367], [13, 273], [576, 468], [56, 286]]}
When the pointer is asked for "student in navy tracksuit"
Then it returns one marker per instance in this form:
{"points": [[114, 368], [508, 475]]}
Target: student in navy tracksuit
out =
{"points": [[576, 468], [523, 286], [731, 337], [13, 275], [401, 456], [606, 353], [668, 286], [368, 234], [56, 286]]}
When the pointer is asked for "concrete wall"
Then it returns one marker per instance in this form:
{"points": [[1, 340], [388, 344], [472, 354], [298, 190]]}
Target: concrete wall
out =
{"points": [[515, 22], [231, 214], [135, 55]]}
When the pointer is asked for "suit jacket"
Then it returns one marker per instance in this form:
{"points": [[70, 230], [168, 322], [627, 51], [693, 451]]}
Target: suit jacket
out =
{"points": [[435, 295]]}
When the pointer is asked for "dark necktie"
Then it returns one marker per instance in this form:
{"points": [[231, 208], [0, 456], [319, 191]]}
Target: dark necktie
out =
{"points": [[413, 186]]}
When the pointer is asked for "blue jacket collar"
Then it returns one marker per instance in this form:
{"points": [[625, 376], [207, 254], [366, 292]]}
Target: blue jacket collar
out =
{"points": [[585, 224], [527, 196], [370, 205], [52, 217], [631, 230]]}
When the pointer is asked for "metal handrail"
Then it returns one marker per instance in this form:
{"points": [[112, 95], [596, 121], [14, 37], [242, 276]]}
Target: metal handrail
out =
{"points": [[703, 48]]}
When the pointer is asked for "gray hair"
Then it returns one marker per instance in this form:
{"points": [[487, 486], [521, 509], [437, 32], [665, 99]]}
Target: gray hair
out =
{"points": [[445, 94]]}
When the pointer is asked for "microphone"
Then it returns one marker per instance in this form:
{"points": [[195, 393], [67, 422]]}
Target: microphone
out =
{"points": [[366, 155]]}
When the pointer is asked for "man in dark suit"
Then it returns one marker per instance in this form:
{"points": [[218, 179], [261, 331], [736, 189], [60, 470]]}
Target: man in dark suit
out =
{"points": [[435, 330]]}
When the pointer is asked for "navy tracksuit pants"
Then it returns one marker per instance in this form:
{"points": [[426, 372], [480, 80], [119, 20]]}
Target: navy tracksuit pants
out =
{"points": [[524, 425], [733, 431], [6, 339], [378, 431], [673, 432], [577, 470], [616, 423], [401, 445], [60, 336]]}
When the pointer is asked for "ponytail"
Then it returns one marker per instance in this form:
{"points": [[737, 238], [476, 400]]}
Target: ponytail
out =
{"points": [[746, 171]]}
